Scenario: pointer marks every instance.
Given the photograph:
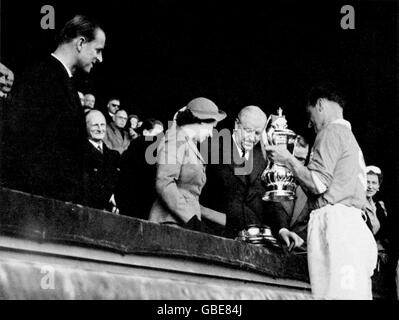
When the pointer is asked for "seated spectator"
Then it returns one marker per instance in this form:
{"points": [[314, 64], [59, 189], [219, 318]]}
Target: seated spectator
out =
{"points": [[132, 125], [113, 106], [116, 137], [101, 165], [89, 101], [6, 81], [135, 192], [375, 210]]}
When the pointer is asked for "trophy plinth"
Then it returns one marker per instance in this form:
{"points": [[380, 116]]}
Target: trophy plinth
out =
{"points": [[278, 179], [258, 235]]}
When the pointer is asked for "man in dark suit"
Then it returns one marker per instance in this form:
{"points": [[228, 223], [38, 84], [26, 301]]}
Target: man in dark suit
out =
{"points": [[113, 105], [234, 183], [296, 212], [44, 123], [101, 165], [135, 193]]}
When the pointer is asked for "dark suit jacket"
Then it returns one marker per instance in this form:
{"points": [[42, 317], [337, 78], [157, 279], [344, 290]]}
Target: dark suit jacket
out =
{"points": [[44, 134], [236, 190], [295, 217], [101, 171], [135, 193]]}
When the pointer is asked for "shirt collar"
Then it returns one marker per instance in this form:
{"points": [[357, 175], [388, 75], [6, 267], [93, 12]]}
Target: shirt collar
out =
{"points": [[66, 68], [343, 122], [240, 152], [96, 144]]}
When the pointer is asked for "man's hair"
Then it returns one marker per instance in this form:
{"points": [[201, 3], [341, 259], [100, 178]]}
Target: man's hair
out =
{"points": [[302, 142], [89, 112], [148, 124], [79, 26], [113, 98], [121, 110], [133, 116], [327, 91]]}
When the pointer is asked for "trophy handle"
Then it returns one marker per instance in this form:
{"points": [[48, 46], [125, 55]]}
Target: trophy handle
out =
{"points": [[267, 133], [295, 145]]}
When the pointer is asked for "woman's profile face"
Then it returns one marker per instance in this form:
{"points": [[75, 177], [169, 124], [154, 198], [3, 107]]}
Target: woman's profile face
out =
{"points": [[373, 185], [205, 131]]}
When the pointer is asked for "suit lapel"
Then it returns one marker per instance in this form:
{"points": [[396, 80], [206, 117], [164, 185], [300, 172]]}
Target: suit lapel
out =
{"points": [[258, 163], [287, 207], [236, 163], [69, 85], [300, 203]]}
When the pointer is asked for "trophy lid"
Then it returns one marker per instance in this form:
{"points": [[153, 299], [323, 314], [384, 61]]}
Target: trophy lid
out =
{"points": [[277, 125]]}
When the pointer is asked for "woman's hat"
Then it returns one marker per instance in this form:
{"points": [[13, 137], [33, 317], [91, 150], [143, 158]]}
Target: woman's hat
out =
{"points": [[373, 169], [205, 109]]}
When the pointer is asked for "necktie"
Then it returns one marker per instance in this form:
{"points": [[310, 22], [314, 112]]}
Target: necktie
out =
{"points": [[99, 148]]}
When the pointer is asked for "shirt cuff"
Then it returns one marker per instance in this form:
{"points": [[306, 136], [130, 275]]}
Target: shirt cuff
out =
{"points": [[281, 230]]}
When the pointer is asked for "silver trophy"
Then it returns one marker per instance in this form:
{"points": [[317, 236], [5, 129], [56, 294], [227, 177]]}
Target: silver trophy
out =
{"points": [[278, 179]]}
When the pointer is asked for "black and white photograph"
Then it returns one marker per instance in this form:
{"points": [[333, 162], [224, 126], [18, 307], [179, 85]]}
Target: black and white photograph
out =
{"points": [[199, 154]]}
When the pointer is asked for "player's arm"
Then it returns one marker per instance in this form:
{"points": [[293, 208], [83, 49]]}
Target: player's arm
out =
{"points": [[306, 178]]}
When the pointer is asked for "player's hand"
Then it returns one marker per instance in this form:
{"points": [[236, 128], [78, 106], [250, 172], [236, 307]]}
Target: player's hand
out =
{"points": [[278, 154], [291, 239]]}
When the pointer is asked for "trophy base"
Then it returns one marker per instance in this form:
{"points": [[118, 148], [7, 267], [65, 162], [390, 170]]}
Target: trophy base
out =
{"points": [[279, 196], [258, 235]]}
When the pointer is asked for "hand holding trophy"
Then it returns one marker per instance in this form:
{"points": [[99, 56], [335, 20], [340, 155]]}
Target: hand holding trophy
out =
{"points": [[278, 179]]}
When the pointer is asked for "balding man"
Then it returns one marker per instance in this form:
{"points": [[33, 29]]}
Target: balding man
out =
{"points": [[117, 138], [46, 156], [233, 180], [101, 165]]}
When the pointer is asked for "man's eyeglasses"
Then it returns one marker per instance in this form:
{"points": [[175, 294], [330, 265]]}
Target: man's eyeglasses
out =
{"points": [[373, 169]]}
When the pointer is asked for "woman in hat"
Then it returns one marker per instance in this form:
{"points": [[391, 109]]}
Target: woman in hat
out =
{"points": [[375, 210], [181, 171]]}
